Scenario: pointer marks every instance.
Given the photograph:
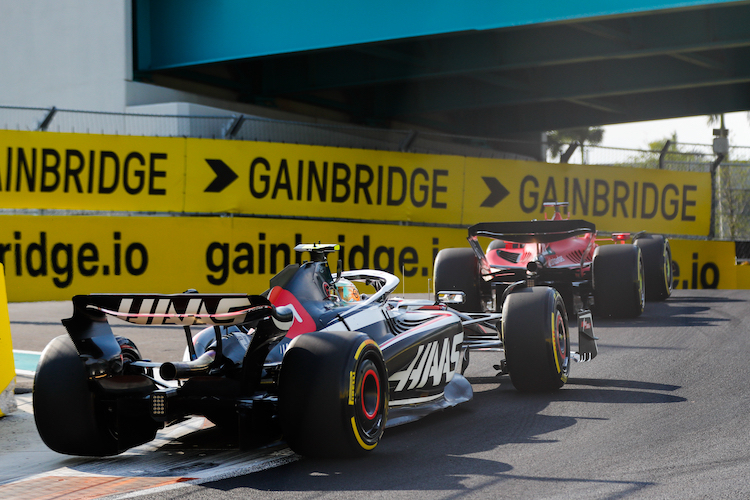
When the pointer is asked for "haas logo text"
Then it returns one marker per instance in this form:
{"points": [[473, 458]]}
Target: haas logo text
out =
{"points": [[433, 362]]}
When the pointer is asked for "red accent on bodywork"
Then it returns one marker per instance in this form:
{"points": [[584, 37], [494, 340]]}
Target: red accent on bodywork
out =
{"points": [[620, 237], [564, 253], [280, 297], [435, 307]]}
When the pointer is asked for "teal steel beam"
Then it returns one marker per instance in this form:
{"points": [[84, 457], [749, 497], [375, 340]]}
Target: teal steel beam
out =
{"points": [[174, 33]]}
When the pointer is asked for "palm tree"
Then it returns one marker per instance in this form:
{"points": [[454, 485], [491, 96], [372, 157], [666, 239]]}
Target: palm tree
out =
{"points": [[718, 119], [558, 139]]}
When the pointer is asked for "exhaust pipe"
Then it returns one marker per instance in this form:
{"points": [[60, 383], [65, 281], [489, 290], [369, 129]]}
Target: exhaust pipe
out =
{"points": [[183, 370]]}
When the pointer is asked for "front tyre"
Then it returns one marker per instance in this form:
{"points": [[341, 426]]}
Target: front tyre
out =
{"points": [[333, 394], [657, 265], [457, 269], [536, 339]]}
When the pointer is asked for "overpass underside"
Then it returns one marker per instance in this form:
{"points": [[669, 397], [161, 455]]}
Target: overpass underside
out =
{"points": [[481, 68]]}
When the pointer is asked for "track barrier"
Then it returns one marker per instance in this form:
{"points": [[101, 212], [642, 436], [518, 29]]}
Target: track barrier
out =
{"points": [[7, 366]]}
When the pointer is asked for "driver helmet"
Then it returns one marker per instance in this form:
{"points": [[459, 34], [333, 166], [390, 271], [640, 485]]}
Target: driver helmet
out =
{"points": [[347, 291]]}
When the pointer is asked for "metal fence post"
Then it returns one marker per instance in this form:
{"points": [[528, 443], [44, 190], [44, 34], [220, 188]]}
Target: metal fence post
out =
{"points": [[44, 124]]}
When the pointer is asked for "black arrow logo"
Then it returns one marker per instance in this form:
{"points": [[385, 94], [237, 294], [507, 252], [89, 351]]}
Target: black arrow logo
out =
{"points": [[224, 176], [497, 192]]}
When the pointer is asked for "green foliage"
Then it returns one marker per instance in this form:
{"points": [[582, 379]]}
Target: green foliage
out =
{"points": [[559, 140], [677, 156]]}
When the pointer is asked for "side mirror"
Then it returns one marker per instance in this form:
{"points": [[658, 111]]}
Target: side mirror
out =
{"points": [[452, 297]]}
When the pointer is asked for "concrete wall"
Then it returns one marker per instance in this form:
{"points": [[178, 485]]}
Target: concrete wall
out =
{"points": [[77, 54], [72, 54]]}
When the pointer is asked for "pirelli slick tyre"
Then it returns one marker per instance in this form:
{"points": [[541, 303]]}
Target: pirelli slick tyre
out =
{"points": [[657, 265], [619, 282], [536, 339], [333, 394], [458, 269], [67, 416]]}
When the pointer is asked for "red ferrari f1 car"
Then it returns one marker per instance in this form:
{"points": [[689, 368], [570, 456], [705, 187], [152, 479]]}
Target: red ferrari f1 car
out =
{"points": [[612, 280], [310, 361]]}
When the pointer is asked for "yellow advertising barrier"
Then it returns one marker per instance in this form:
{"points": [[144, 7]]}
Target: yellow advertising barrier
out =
{"points": [[325, 182], [743, 276], [42, 170], [705, 265], [56, 257], [7, 367], [614, 198]]}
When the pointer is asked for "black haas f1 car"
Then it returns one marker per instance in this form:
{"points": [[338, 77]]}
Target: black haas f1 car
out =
{"points": [[612, 280], [304, 362]]}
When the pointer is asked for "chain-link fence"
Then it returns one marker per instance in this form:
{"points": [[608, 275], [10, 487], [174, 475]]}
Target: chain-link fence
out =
{"points": [[730, 177], [732, 191], [253, 128]]}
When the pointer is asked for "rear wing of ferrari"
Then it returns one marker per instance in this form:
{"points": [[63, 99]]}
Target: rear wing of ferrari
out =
{"points": [[537, 231]]}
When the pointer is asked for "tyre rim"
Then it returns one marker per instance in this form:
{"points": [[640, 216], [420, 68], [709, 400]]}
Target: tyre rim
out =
{"points": [[371, 402], [668, 267], [561, 341], [641, 287], [370, 394]]}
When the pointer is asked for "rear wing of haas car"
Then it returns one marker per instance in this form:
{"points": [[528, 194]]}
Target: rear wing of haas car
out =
{"points": [[96, 343], [183, 309]]}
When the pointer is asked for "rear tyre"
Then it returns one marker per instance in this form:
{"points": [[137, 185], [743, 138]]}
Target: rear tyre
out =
{"points": [[458, 269], [619, 288], [536, 339], [333, 394], [67, 416], [130, 353], [657, 265]]}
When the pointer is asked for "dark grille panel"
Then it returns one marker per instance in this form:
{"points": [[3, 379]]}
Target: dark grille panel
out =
{"points": [[402, 324], [509, 256], [575, 256]]}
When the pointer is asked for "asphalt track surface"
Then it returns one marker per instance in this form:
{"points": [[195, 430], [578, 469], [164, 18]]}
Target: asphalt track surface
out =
{"points": [[662, 412]]}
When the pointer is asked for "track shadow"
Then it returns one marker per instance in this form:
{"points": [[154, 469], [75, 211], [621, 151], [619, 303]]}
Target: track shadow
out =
{"points": [[592, 382], [436, 454], [703, 299], [685, 308], [420, 476], [623, 384], [615, 396], [440, 452], [666, 314]]}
